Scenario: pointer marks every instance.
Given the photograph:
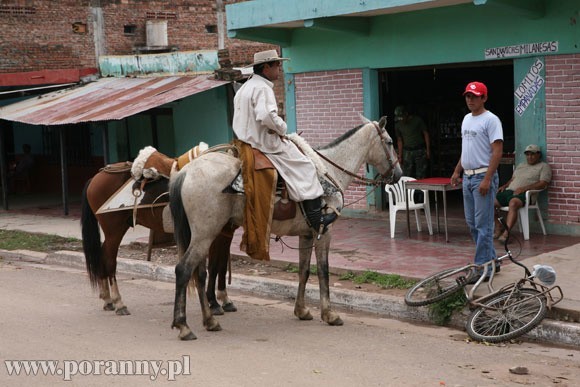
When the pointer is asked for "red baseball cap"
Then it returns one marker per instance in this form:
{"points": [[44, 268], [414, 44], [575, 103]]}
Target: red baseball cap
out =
{"points": [[476, 88]]}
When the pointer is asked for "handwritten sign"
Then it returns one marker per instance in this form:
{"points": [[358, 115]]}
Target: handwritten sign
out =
{"points": [[529, 87], [521, 50]]}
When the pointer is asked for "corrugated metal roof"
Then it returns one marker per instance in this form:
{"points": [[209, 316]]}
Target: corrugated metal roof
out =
{"points": [[105, 99]]}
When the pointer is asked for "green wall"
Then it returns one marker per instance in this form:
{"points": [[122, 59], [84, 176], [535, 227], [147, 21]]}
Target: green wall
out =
{"points": [[530, 125], [202, 117], [441, 35]]}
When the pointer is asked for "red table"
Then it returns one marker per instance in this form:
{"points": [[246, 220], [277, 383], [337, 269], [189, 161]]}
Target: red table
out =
{"points": [[436, 184]]}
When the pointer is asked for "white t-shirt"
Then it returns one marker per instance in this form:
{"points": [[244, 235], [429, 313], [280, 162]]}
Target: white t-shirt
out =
{"points": [[477, 135]]}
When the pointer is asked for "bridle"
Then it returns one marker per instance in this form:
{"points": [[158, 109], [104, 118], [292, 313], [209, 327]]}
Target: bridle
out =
{"points": [[389, 175], [386, 178]]}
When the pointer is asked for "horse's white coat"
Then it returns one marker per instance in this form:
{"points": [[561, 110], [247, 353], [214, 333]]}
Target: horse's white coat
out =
{"points": [[208, 210]]}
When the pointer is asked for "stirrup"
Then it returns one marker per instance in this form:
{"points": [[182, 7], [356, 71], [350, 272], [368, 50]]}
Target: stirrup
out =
{"points": [[326, 221]]}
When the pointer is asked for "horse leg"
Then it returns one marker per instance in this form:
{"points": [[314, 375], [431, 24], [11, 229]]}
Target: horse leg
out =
{"points": [[183, 271], [110, 251], [213, 269], [305, 246], [209, 322], [220, 253], [120, 308], [222, 293], [322, 249], [105, 295], [191, 268]]}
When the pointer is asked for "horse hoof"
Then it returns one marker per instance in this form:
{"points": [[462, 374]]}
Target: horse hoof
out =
{"points": [[123, 311], [304, 315], [335, 321], [230, 307], [213, 326], [217, 310], [109, 306], [188, 337]]}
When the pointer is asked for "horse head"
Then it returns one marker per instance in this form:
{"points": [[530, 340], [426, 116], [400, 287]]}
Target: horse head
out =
{"points": [[382, 153]]}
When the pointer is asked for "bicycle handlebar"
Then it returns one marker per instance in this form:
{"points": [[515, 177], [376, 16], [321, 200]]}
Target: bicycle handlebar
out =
{"points": [[505, 246]]}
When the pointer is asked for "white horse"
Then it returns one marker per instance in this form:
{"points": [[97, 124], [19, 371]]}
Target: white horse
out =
{"points": [[201, 210]]}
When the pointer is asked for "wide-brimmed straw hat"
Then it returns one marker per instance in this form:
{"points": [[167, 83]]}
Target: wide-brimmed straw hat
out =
{"points": [[265, 57]]}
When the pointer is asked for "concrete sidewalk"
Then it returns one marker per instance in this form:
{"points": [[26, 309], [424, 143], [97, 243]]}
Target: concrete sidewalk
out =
{"points": [[359, 244]]}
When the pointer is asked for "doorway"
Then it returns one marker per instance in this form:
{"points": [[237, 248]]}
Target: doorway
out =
{"points": [[434, 93]]}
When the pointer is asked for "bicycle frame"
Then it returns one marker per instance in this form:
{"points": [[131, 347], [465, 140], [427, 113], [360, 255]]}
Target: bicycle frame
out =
{"points": [[490, 266]]}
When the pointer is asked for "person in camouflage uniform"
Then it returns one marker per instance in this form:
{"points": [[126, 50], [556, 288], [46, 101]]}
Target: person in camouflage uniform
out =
{"points": [[413, 145]]}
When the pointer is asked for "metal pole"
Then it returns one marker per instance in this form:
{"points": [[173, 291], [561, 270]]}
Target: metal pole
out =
{"points": [[3, 169], [63, 168], [105, 130], [220, 24]]}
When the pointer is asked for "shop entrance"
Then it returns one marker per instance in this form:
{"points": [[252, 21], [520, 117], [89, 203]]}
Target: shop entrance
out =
{"points": [[435, 94]]}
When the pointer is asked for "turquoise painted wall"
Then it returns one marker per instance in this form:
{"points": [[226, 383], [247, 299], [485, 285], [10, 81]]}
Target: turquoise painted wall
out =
{"points": [[447, 34], [530, 104], [202, 117], [442, 35], [530, 114], [371, 109]]}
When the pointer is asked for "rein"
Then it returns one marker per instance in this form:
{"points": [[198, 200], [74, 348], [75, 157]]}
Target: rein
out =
{"points": [[386, 177]]}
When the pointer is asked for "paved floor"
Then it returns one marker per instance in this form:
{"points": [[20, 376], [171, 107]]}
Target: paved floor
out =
{"points": [[358, 243]]}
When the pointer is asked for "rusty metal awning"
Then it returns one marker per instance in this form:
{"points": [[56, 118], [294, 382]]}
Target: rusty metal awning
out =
{"points": [[105, 99]]}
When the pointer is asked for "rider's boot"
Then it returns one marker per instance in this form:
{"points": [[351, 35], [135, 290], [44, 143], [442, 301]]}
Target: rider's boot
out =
{"points": [[317, 220]]}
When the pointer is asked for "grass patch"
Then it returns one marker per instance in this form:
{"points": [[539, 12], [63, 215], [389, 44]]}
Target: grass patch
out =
{"points": [[385, 281], [20, 240], [442, 311], [294, 269]]}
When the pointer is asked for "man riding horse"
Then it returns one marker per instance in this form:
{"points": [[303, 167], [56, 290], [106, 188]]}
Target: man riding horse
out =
{"points": [[257, 123]]}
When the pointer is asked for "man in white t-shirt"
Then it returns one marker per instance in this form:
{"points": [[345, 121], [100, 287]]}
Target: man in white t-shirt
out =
{"points": [[533, 174], [481, 151]]}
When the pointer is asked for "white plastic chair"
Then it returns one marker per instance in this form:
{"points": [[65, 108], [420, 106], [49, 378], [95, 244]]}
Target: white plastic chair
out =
{"points": [[523, 213], [396, 194]]}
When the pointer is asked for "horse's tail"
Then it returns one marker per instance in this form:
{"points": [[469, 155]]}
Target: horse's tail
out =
{"points": [[91, 239], [182, 231]]}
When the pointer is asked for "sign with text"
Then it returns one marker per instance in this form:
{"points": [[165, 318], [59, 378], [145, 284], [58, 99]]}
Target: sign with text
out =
{"points": [[529, 86], [521, 50]]}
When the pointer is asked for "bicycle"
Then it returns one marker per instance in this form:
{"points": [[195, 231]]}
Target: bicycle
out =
{"points": [[500, 315]]}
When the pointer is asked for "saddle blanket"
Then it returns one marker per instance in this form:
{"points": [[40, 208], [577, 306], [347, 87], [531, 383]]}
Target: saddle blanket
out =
{"points": [[155, 194]]}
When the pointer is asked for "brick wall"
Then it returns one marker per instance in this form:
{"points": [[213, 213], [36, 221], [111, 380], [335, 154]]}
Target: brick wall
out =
{"points": [[38, 34], [328, 104], [563, 140]]}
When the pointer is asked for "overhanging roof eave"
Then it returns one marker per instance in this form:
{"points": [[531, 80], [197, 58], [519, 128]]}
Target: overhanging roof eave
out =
{"points": [[106, 99]]}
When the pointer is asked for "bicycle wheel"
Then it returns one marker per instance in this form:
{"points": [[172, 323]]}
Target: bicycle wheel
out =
{"points": [[438, 286], [513, 315]]}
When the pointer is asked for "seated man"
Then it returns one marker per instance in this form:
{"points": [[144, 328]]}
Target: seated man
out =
{"points": [[534, 174], [21, 170]]}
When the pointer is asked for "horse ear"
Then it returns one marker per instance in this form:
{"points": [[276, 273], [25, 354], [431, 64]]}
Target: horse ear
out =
{"points": [[383, 122]]}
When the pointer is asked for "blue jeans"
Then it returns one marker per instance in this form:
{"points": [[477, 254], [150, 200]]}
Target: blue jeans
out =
{"points": [[479, 214]]}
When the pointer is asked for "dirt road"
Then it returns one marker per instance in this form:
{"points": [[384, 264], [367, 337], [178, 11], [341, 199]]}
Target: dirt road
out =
{"points": [[50, 313]]}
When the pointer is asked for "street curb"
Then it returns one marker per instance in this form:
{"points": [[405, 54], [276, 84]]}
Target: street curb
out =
{"points": [[549, 331]]}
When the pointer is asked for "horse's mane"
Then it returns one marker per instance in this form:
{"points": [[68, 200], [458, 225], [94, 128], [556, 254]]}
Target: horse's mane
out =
{"points": [[309, 152], [342, 138]]}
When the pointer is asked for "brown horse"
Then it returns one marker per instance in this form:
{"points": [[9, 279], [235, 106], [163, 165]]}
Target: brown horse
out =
{"points": [[101, 258]]}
